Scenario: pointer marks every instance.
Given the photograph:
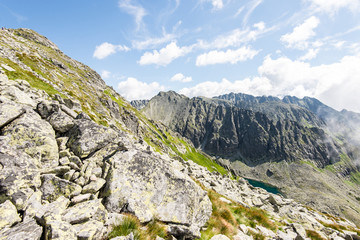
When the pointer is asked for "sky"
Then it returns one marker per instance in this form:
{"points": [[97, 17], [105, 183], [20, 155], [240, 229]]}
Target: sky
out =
{"points": [[207, 47]]}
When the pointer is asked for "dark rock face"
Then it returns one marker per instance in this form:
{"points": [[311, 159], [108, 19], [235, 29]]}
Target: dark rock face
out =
{"points": [[139, 104], [228, 131]]}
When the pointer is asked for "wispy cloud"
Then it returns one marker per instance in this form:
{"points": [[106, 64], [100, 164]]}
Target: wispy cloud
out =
{"points": [[300, 35], [251, 7], [235, 38], [136, 10], [154, 42], [165, 55], [105, 74], [106, 49], [229, 56], [19, 18]]}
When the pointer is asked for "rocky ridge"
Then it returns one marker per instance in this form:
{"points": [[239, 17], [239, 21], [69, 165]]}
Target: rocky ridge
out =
{"points": [[68, 171]]}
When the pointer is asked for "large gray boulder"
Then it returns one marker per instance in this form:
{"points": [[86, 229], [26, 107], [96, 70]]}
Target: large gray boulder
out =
{"points": [[152, 187], [86, 137], [19, 173], [35, 137], [60, 121]]}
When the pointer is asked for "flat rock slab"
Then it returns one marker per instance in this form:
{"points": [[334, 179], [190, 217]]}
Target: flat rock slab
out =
{"points": [[60, 230], [85, 211], [9, 112], [28, 230], [90, 230]]}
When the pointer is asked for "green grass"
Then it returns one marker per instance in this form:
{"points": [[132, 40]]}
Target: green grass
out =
{"points": [[34, 82], [130, 224], [314, 235], [226, 218]]}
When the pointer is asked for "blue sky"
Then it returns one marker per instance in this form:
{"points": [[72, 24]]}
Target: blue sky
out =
{"points": [[207, 47]]}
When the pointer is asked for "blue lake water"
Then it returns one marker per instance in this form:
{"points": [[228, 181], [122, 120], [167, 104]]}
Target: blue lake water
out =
{"points": [[265, 186]]}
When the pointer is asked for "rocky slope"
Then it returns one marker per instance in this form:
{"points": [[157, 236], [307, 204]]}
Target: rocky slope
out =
{"points": [[281, 148], [76, 159]]}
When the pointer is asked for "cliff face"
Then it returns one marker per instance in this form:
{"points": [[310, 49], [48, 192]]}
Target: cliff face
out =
{"points": [[222, 129], [267, 140], [78, 162]]}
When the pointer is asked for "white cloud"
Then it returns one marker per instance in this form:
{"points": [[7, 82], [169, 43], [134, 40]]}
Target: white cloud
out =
{"points": [[254, 86], [105, 74], [301, 34], [179, 77], [336, 84], [230, 56], [260, 25], [133, 89], [332, 6], [217, 4], [311, 54], [105, 49], [165, 55], [137, 11], [153, 42], [233, 39]]}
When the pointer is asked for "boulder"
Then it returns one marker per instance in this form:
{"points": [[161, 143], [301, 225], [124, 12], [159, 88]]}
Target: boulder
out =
{"points": [[19, 173], [90, 230], [60, 121], [60, 230], [85, 211], [86, 137], [149, 187], [8, 215], [94, 186], [35, 137], [53, 187], [28, 230], [9, 111], [46, 108]]}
